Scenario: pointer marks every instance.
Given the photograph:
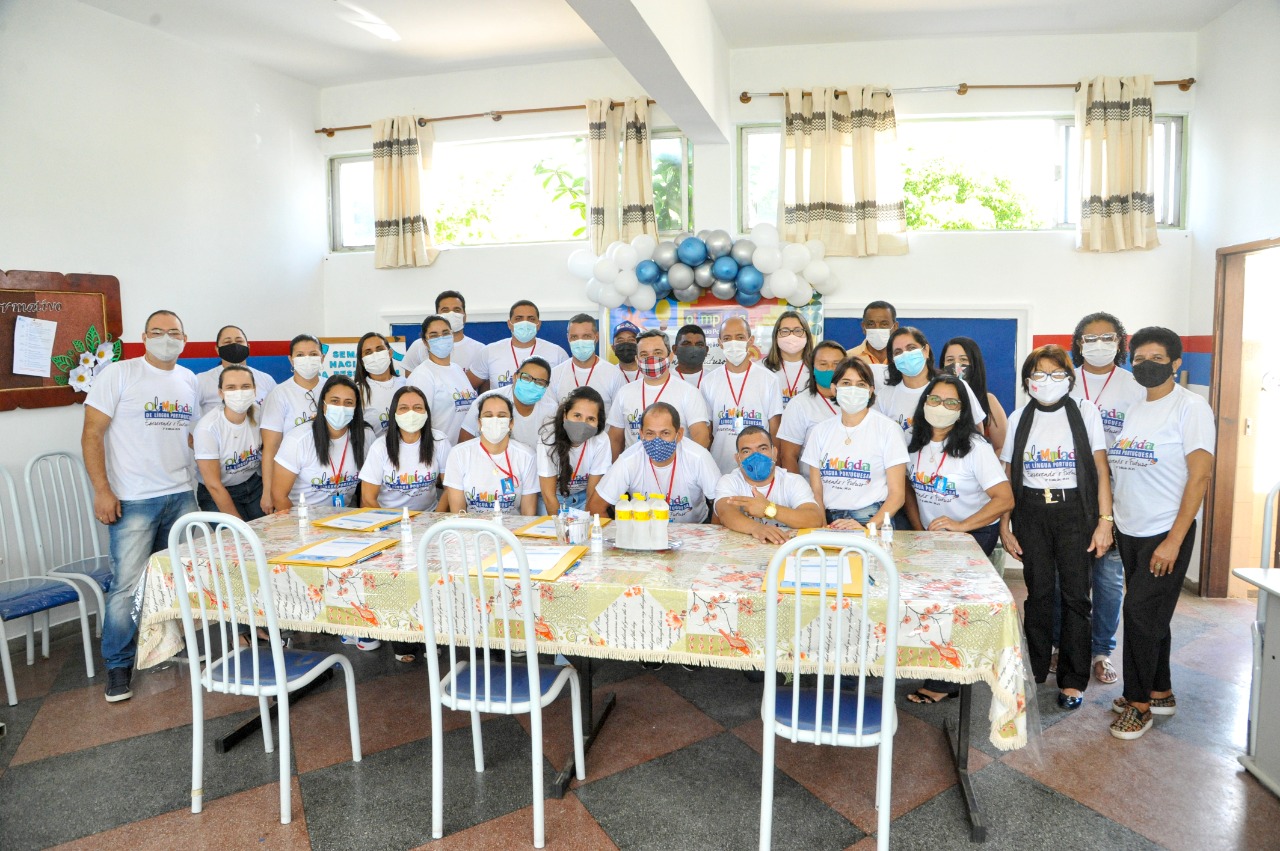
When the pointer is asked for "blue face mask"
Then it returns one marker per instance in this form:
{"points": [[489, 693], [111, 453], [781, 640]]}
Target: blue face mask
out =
{"points": [[823, 377], [659, 450], [524, 330], [528, 393], [441, 347], [910, 363], [757, 466], [582, 349]]}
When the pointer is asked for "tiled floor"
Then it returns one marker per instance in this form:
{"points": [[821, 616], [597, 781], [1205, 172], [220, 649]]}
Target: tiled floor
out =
{"points": [[677, 766]]}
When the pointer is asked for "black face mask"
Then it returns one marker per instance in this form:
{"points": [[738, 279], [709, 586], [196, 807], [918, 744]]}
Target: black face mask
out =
{"points": [[233, 352], [958, 370], [626, 352], [691, 357], [1149, 373]]}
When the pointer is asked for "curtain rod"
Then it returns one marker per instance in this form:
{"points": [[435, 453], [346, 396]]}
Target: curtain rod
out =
{"points": [[965, 88], [495, 114]]}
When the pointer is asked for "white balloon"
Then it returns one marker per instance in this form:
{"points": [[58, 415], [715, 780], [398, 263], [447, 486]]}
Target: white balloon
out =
{"points": [[613, 248], [611, 298], [626, 282], [827, 287], [768, 259], [644, 298], [802, 295], [817, 249], [764, 234], [766, 291], [594, 288], [581, 263], [794, 257], [817, 272], [626, 257], [644, 245], [783, 282], [605, 270]]}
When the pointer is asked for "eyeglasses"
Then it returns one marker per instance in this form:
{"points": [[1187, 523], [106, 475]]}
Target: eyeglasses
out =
{"points": [[949, 404], [791, 332], [1056, 375], [524, 376], [311, 401], [1099, 338], [156, 334]]}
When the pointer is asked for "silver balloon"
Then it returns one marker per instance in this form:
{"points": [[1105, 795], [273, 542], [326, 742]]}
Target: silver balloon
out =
{"points": [[724, 290], [681, 237], [680, 276], [689, 295], [704, 234], [742, 251], [702, 275], [665, 254], [719, 243]]}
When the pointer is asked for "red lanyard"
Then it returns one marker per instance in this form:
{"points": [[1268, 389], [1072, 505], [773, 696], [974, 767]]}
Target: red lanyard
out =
{"points": [[1084, 382], [532, 351], [644, 401], [574, 367], [624, 375], [509, 469], [701, 373], [581, 455], [671, 484], [936, 470], [791, 388], [741, 387], [827, 403], [342, 462], [770, 490]]}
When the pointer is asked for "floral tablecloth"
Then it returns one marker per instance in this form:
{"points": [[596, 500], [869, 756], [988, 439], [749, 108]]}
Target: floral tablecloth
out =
{"points": [[699, 604]]}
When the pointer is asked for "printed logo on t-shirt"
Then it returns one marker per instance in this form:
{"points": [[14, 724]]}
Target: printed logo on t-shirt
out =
{"points": [[462, 399], [502, 379], [478, 500], [939, 486], [383, 419], [903, 421], [736, 418], [410, 482], [303, 419], [328, 484], [845, 468], [680, 505], [244, 459], [1112, 420], [1132, 453], [633, 421], [157, 411], [1048, 459]]}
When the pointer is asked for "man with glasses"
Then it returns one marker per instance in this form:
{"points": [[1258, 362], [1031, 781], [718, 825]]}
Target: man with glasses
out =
{"points": [[528, 394], [761, 499], [136, 442], [879, 321]]}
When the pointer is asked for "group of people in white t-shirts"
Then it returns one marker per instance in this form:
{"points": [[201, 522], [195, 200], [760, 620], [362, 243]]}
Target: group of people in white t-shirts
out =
{"points": [[804, 434]]}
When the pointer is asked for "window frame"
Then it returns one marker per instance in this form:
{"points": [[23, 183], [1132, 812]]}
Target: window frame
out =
{"points": [[335, 203], [745, 130], [686, 174]]}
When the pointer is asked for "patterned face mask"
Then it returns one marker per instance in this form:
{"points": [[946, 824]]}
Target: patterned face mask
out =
{"points": [[659, 450], [654, 367]]}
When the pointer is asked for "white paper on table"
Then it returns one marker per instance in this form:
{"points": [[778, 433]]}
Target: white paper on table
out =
{"points": [[363, 520], [539, 558], [336, 549], [33, 346], [812, 569], [543, 529]]}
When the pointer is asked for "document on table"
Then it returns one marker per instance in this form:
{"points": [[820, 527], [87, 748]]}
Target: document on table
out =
{"points": [[335, 552], [33, 345], [546, 564], [367, 520], [812, 570]]}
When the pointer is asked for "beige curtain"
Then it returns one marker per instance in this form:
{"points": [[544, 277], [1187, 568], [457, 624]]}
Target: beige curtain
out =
{"points": [[842, 179], [1117, 174], [620, 194], [401, 157]]}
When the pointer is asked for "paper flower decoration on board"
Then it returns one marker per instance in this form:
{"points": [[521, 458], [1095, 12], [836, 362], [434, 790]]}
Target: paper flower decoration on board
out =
{"points": [[85, 360]]}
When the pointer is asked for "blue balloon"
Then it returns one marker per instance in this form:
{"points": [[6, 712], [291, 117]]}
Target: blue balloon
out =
{"points": [[647, 272], [747, 299], [662, 287], [750, 280], [692, 251], [724, 269]]}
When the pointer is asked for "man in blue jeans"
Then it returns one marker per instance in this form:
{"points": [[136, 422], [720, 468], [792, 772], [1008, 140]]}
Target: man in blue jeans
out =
{"points": [[137, 448]]}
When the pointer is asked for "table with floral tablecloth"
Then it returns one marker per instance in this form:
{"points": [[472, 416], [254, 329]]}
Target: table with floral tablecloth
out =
{"points": [[700, 603]]}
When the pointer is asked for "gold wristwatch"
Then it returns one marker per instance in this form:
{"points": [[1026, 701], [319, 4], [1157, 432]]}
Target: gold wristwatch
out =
{"points": [[771, 510], [1106, 517]]}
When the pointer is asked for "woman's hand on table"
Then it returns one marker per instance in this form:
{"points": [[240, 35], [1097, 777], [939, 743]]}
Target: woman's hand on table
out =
{"points": [[846, 524], [767, 533]]}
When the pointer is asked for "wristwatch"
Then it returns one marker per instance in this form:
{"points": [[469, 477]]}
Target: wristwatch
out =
{"points": [[1106, 517], [771, 510]]}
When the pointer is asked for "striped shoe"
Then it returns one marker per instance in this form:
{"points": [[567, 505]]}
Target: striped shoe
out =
{"points": [[1132, 724], [1159, 705]]}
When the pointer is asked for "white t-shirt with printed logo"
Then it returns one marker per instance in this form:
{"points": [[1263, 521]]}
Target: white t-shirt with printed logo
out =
{"points": [[377, 406], [207, 384], [152, 413], [946, 486], [481, 476], [289, 405], [1049, 458], [592, 458], [463, 354], [898, 403], [793, 380], [526, 430], [236, 448], [735, 401], [787, 489], [449, 395], [498, 364], [804, 412], [603, 377], [853, 472], [409, 484], [314, 481], [1114, 395], [690, 480], [1149, 460], [632, 399]]}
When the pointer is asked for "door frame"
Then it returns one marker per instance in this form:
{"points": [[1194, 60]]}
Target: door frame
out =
{"points": [[1224, 397]]}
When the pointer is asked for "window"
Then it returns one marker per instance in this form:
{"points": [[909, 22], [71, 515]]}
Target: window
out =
{"points": [[351, 203], [1169, 162], [759, 152], [672, 182]]}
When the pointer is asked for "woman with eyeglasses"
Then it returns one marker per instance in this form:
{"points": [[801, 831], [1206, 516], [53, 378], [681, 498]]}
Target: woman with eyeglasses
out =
{"points": [[789, 354], [290, 405], [812, 405], [957, 483], [962, 357], [320, 464], [531, 406], [445, 383], [1056, 460], [574, 452], [377, 379], [492, 470]]}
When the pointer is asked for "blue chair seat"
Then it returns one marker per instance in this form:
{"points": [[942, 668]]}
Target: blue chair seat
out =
{"points": [[98, 568], [296, 664], [461, 685], [806, 719], [22, 597]]}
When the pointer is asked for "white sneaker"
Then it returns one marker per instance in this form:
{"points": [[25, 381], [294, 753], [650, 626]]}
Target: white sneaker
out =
{"points": [[362, 643]]}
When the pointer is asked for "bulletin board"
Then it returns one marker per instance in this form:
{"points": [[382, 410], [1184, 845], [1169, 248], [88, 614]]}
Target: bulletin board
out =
{"points": [[55, 329], [340, 355]]}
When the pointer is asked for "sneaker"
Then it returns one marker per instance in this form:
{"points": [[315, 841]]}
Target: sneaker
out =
{"points": [[118, 684], [362, 643], [1132, 724], [1159, 705]]}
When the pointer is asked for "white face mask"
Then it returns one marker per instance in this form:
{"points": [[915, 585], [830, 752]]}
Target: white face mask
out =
{"points": [[852, 400], [339, 416], [1047, 392], [238, 401], [377, 362], [455, 320], [307, 367], [735, 351], [165, 348], [940, 417], [494, 429], [878, 338], [411, 420], [1099, 354]]}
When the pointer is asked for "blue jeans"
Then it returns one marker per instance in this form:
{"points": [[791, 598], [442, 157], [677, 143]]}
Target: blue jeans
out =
{"points": [[143, 529], [862, 515], [1108, 595], [574, 500]]}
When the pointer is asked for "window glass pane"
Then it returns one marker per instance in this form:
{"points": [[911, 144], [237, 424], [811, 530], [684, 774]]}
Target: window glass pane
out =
{"points": [[1160, 132], [355, 193], [669, 204], [760, 177]]}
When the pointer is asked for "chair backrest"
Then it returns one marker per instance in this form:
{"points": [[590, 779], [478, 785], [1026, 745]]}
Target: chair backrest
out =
{"points": [[840, 632], [60, 502], [221, 576], [14, 560], [477, 610]]}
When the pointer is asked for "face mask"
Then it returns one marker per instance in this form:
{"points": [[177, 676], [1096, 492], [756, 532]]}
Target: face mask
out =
{"points": [[910, 363], [1148, 373], [455, 320], [376, 363], [307, 367], [579, 432], [339, 416], [495, 429], [1048, 392], [940, 417], [528, 393], [853, 399], [878, 338], [411, 420], [791, 344], [1099, 354], [233, 352], [582, 349], [626, 352], [691, 357], [757, 466], [654, 367], [238, 401], [524, 331], [659, 450], [164, 348], [441, 347], [823, 377], [959, 370], [735, 351]]}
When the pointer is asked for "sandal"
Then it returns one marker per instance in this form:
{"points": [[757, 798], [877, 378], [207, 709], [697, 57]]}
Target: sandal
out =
{"points": [[924, 698], [1104, 671], [406, 658]]}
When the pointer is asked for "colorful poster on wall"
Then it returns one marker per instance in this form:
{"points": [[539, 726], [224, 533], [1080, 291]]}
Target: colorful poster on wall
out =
{"points": [[340, 355]]}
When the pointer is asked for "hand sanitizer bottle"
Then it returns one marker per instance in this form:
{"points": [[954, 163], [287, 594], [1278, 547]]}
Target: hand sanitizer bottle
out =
{"points": [[597, 536]]}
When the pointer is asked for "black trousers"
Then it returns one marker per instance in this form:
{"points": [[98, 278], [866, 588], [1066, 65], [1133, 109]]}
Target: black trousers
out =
{"points": [[1055, 540], [247, 497], [1149, 602]]}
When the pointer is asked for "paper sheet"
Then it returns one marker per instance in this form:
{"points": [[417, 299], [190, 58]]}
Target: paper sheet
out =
{"points": [[33, 345], [338, 548], [363, 521]]}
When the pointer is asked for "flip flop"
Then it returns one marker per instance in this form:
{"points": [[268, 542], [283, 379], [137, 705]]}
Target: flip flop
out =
{"points": [[919, 697], [1105, 672]]}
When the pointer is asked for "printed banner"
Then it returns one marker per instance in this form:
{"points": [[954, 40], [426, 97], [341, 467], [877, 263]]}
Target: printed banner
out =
{"points": [[340, 355]]}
